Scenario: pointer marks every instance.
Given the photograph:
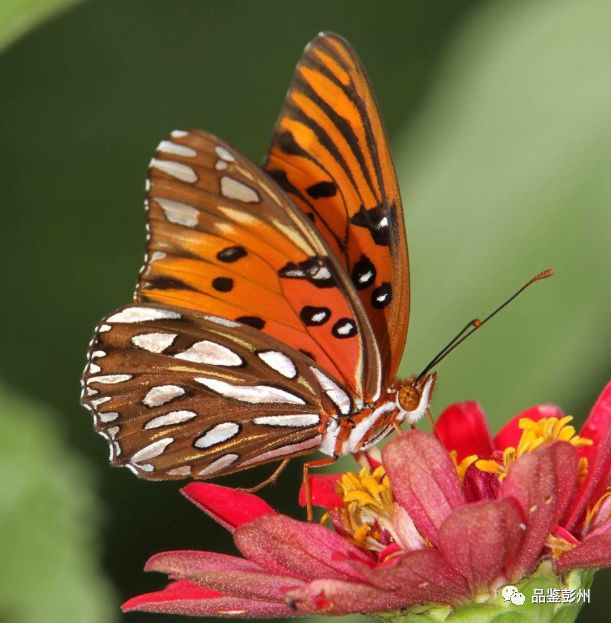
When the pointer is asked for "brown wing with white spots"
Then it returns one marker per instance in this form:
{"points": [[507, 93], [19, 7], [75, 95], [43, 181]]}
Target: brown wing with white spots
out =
{"points": [[330, 153], [225, 239], [179, 394]]}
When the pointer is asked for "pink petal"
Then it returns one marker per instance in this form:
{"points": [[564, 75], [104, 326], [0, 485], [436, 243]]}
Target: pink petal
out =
{"points": [[541, 482], [337, 597], [405, 529], [510, 434], [192, 562], [593, 552], [424, 480], [229, 507], [288, 547], [463, 427], [230, 575], [422, 576], [478, 540], [599, 420], [189, 599], [479, 485], [322, 491], [597, 428]]}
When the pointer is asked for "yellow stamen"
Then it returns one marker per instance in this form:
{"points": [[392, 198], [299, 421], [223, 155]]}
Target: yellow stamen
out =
{"points": [[558, 546], [593, 510], [368, 506], [461, 467]]}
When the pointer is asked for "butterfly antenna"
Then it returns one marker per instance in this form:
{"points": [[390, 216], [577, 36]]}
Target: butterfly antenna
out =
{"points": [[476, 324]]}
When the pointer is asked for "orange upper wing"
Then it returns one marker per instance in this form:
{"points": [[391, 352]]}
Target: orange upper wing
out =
{"points": [[329, 152], [224, 239]]}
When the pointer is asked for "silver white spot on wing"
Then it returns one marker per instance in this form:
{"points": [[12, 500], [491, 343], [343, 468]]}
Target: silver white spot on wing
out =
{"points": [[175, 169], [279, 362], [111, 416], [234, 189], [217, 434], [170, 419], [142, 314], [210, 353], [110, 378], [152, 450], [157, 255], [99, 401], [154, 342], [293, 448], [353, 443], [162, 394], [329, 437], [94, 368], [298, 420], [219, 464], [224, 153], [112, 431], [185, 470], [98, 353], [221, 165], [179, 213], [175, 148], [178, 133], [337, 395], [223, 321], [103, 328], [254, 394]]}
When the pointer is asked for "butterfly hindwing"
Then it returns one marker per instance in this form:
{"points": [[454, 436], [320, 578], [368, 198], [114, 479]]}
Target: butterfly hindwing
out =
{"points": [[180, 394], [225, 239], [330, 153]]}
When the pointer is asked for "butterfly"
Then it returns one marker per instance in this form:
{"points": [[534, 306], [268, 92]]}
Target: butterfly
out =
{"points": [[271, 312]]}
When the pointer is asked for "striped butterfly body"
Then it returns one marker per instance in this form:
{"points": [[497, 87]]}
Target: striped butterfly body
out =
{"points": [[270, 315]]}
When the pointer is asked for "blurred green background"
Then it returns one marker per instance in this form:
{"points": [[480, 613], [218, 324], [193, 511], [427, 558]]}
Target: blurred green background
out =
{"points": [[499, 119]]}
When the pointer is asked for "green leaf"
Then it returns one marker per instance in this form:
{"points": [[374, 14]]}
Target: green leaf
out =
{"points": [[50, 558], [17, 17]]}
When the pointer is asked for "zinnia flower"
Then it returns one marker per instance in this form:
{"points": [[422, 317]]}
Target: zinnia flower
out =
{"points": [[427, 532]]}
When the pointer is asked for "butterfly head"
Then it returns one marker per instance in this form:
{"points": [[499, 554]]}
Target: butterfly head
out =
{"points": [[413, 397]]}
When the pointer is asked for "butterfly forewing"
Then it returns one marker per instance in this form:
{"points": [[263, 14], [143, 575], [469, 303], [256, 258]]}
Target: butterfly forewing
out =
{"points": [[180, 394], [330, 153], [226, 239]]}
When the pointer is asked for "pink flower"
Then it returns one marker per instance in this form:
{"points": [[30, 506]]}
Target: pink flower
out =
{"points": [[427, 528], [581, 537]]}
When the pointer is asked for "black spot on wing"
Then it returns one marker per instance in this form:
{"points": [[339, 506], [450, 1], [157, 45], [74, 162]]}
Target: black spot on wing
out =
{"points": [[314, 316], [363, 273], [253, 321], [322, 189], [382, 296], [314, 269], [222, 284], [343, 328], [231, 254], [377, 220], [167, 283], [287, 143]]}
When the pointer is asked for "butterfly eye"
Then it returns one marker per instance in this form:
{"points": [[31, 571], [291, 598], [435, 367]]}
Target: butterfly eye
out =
{"points": [[409, 398]]}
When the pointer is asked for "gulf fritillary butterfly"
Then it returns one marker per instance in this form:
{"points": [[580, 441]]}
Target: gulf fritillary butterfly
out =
{"points": [[271, 311]]}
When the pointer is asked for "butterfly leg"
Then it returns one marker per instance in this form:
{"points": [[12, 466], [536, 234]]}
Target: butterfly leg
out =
{"points": [[267, 481], [432, 421], [306, 481]]}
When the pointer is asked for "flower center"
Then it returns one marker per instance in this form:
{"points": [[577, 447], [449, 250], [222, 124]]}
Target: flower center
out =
{"points": [[534, 434], [368, 507]]}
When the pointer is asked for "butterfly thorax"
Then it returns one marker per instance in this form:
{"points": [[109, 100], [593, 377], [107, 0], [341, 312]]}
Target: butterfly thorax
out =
{"points": [[402, 401]]}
